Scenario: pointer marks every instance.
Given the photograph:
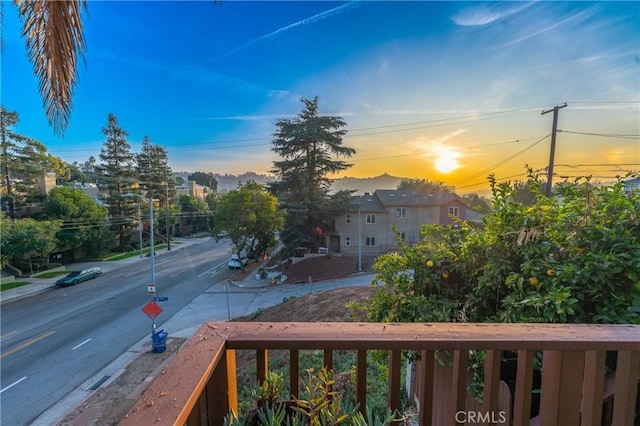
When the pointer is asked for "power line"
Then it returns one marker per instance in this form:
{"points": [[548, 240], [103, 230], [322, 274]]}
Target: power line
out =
{"points": [[604, 135], [500, 163], [476, 146]]}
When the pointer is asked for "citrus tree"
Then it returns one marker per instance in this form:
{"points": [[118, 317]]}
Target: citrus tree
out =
{"points": [[572, 258]]}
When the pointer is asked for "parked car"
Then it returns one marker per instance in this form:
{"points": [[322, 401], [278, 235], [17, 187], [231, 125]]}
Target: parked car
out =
{"points": [[237, 262], [76, 277]]}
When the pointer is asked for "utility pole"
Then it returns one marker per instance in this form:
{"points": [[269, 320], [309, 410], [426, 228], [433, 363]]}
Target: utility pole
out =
{"points": [[552, 154]]}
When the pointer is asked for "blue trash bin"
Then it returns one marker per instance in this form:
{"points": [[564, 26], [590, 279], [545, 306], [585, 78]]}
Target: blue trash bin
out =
{"points": [[159, 341]]}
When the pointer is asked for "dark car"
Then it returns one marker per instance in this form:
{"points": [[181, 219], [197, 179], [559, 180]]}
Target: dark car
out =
{"points": [[76, 277]]}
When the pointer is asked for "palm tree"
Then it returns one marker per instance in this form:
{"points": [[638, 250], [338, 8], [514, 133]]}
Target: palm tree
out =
{"points": [[54, 42]]}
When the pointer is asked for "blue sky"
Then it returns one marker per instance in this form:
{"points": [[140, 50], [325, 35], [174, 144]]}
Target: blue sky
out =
{"points": [[440, 90]]}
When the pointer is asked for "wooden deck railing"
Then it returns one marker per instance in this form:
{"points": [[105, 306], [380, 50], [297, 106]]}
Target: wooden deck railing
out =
{"points": [[199, 386]]}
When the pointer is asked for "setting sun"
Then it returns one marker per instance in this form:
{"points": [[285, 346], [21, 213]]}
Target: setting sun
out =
{"points": [[446, 162]]}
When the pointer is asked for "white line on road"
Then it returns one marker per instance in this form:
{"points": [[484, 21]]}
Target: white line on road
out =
{"points": [[80, 344], [212, 269], [13, 384]]}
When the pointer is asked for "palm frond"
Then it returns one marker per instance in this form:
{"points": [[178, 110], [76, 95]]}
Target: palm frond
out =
{"points": [[54, 42]]}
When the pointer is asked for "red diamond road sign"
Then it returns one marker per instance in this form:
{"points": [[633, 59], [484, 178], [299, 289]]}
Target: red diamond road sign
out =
{"points": [[152, 309]]}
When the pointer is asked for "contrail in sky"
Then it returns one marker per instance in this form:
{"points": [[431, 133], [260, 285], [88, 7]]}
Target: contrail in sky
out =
{"points": [[311, 20]]}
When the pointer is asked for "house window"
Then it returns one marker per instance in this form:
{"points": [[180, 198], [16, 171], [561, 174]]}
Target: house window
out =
{"points": [[403, 236], [370, 218], [454, 211], [370, 241], [401, 212], [347, 241], [347, 218]]}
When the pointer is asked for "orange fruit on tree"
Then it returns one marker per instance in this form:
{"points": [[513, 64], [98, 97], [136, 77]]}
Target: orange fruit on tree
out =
{"points": [[534, 281]]}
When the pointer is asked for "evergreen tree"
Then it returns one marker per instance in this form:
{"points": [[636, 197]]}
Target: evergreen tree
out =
{"points": [[116, 175], [306, 145], [153, 168], [23, 161], [204, 179]]}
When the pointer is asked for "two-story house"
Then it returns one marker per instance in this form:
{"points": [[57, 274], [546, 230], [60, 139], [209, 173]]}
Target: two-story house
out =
{"points": [[366, 226]]}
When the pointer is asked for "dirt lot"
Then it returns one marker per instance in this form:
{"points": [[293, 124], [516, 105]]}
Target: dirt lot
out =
{"points": [[107, 405]]}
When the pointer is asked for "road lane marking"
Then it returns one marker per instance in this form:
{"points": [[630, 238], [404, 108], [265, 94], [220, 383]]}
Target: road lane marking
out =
{"points": [[13, 384], [8, 334], [212, 269], [80, 344], [25, 344]]}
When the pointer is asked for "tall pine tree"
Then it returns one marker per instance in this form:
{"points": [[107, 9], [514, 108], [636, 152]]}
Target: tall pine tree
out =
{"points": [[23, 161], [307, 145], [155, 177], [117, 174]]}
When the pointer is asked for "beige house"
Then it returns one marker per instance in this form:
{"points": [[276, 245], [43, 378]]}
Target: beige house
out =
{"points": [[366, 226], [193, 189]]}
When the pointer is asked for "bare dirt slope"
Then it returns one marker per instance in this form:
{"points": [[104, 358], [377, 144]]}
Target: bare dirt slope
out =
{"points": [[108, 405]]}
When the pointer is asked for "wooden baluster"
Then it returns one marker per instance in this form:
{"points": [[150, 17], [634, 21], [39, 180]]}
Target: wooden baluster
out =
{"points": [[593, 388], [395, 364], [561, 393], [425, 384], [361, 380], [294, 373], [524, 383], [627, 375], [459, 382], [492, 383], [262, 365]]}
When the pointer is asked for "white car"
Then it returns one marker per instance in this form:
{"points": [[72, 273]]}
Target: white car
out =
{"points": [[237, 262]]}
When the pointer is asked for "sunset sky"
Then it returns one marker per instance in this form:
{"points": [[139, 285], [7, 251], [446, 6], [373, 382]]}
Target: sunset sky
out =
{"points": [[447, 91]]}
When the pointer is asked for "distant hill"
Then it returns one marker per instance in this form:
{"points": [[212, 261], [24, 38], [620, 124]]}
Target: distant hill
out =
{"points": [[228, 182], [369, 185]]}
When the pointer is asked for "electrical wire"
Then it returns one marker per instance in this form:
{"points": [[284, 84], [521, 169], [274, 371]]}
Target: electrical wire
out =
{"points": [[500, 163], [604, 135]]}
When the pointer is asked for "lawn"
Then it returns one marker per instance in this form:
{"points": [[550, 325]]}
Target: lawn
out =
{"points": [[9, 286], [51, 274], [120, 256]]}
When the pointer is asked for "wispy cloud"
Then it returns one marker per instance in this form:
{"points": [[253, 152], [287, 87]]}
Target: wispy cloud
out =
{"points": [[255, 117], [485, 14], [580, 16], [311, 20]]}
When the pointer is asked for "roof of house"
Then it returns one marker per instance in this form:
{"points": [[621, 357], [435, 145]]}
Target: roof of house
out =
{"points": [[396, 197], [381, 199], [368, 203]]}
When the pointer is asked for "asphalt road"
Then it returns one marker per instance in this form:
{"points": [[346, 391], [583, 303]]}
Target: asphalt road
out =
{"points": [[55, 340]]}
